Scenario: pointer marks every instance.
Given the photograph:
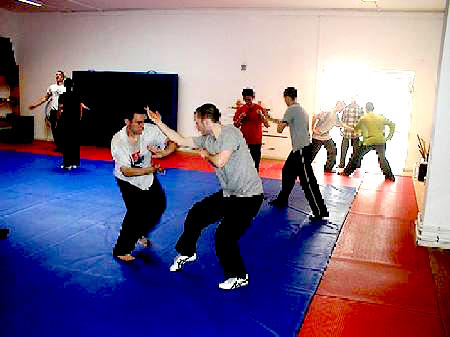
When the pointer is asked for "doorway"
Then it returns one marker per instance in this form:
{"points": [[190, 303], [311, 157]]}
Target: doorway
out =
{"points": [[391, 93]]}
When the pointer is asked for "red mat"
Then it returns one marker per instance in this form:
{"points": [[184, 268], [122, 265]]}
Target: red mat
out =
{"points": [[338, 317], [377, 182], [375, 238], [269, 168], [440, 266], [388, 204], [380, 284]]}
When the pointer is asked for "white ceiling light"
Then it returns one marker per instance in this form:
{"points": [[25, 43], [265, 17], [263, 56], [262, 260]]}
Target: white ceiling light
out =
{"points": [[31, 3]]}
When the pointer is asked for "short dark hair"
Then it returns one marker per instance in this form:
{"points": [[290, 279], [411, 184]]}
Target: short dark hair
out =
{"points": [[290, 92], [62, 73], [248, 92], [208, 110], [129, 114]]}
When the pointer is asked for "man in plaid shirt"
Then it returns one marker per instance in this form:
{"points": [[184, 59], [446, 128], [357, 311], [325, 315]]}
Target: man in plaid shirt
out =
{"points": [[350, 116]]}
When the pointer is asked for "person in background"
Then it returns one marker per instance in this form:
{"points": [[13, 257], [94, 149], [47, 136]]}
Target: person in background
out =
{"points": [[52, 95], [235, 205], [132, 148], [70, 111], [298, 163], [249, 118], [322, 123], [372, 127], [350, 116]]}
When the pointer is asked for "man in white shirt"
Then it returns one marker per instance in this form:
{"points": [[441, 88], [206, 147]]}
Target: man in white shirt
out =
{"points": [[132, 149], [53, 93], [322, 123]]}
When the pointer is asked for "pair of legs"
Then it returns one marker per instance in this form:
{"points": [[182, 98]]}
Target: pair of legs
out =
{"points": [[330, 146], [362, 151], [344, 147], [53, 119], [298, 164], [144, 210], [236, 215], [255, 152]]}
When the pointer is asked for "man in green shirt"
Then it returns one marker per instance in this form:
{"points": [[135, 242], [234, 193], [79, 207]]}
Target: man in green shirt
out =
{"points": [[372, 127]]}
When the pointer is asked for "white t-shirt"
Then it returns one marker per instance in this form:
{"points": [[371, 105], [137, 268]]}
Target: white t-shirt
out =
{"points": [[54, 91], [136, 155], [326, 120]]}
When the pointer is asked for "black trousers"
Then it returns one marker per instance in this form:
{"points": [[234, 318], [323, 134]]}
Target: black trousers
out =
{"points": [[255, 152], [236, 215], [54, 125], [362, 151], [69, 128], [298, 164], [144, 210]]}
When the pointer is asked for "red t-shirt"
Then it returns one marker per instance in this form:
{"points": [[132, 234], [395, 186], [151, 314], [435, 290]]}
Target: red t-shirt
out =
{"points": [[251, 126]]}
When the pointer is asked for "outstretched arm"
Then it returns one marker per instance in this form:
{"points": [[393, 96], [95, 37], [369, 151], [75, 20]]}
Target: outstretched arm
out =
{"points": [[174, 136], [280, 126], [42, 100]]}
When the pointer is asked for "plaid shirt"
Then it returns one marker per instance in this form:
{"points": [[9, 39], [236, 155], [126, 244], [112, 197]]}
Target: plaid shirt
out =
{"points": [[351, 116]]}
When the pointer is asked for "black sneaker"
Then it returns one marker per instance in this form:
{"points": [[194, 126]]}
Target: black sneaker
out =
{"points": [[3, 233]]}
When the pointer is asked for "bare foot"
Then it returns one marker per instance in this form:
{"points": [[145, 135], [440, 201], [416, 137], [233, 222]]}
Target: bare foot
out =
{"points": [[143, 241], [126, 257]]}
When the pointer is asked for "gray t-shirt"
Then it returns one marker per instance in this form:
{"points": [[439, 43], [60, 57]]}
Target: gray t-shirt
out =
{"points": [[238, 176], [298, 121]]}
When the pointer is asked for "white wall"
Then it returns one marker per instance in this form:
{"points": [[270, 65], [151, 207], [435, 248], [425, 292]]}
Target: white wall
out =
{"points": [[435, 223], [9, 26], [207, 47]]}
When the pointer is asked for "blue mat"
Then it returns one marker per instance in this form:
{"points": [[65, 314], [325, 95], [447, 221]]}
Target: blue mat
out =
{"points": [[58, 277]]}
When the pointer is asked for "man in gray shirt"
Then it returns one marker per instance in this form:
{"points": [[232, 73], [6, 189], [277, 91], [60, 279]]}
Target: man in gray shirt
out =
{"points": [[236, 204], [298, 163]]}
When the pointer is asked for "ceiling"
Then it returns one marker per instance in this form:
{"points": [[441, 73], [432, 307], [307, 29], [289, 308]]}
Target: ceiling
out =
{"points": [[120, 5]]}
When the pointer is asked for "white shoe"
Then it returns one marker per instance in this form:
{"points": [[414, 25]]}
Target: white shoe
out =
{"points": [[234, 283], [180, 260]]}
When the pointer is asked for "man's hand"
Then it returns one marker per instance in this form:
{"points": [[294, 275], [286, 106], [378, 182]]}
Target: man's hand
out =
{"points": [[156, 168], [154, 116], [203, 153], [156, 151], [241, 117]]}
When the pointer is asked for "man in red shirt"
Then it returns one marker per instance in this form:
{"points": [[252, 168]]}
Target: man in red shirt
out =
{"points": [[249, 118]]}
